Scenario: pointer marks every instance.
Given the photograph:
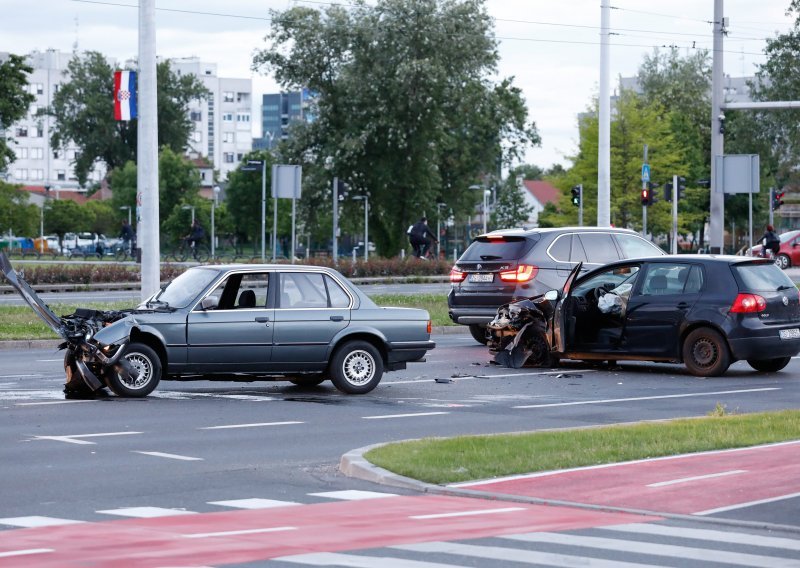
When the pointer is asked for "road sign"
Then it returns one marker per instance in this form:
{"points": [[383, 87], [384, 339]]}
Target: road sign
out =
{"points": [[645, 172]]}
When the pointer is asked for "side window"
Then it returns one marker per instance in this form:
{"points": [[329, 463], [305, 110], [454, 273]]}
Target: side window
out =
{"points": [[695, 280], [636, 247], [560, 248], [339, 298], [664, 279], [299, 290], [253, 290], [599, 247]]}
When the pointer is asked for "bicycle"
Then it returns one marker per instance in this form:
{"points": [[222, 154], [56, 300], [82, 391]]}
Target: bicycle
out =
{"points": [[124, 252], [198, 252]]}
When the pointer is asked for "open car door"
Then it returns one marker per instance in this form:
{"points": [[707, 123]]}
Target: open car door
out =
{"points": [[562, 314], [31, 297]]}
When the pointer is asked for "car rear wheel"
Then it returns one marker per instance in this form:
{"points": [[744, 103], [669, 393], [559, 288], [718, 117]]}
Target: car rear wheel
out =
{"points": [[705, 353], [478, 333], [356, 367], [769, 365], [145, 362], [783, 261]]}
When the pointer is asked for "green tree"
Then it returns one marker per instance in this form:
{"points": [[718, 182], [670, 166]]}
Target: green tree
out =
{"points": [[511, 209], [404, 108], [65, 216], [84, 113], [122, 181], [17, 216], [243, 198], [104, 218], [14, 100]]}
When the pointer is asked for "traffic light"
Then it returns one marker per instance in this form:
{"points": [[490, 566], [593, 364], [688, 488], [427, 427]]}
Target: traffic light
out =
{"points": [[576, 195], [777, 199], [681, 186], [342, 189], [647, 197], [668, 192]]}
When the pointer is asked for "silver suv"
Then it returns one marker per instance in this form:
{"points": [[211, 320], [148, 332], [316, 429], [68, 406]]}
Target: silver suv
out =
{"points": [[501, 266]]}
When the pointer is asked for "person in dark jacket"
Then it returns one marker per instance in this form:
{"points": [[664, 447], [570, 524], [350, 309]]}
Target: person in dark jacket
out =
{"points": [[770, 241], [126, 234], [418, 235], [197, 234]]}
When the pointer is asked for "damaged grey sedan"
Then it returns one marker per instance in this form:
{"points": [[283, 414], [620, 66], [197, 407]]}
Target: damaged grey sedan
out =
{"points": [[303, 324]]}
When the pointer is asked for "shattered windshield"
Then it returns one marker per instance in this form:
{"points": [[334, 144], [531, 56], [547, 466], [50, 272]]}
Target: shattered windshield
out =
{"points": [[185, 288]]}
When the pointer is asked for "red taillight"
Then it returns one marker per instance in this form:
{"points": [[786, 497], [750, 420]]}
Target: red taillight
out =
{"points": [[456, 275], [523, 273], [748, 303], [429, 327]]}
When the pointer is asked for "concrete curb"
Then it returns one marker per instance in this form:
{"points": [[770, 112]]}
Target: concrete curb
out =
{"points": [[353, 464]]}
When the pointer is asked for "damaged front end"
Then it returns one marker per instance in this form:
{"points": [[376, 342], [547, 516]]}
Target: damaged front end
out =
{"points": [[519, 335], [88, 363]]}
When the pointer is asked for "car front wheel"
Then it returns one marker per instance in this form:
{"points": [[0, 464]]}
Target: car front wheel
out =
{"points": [[769, 365], [356, 367], [478, 333], [783, 261], [705, 353], [143, 360]]}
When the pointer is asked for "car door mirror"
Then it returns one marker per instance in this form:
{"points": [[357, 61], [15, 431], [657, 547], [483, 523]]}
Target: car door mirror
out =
{"points": [[209, 302], [551, 295]]}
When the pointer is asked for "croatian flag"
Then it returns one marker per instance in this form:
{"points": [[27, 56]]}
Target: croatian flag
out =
{"points": [[124, 95]]}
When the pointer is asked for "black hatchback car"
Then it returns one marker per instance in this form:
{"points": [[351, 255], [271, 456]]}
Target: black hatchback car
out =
{"points": [[501, 266], [704, 311]]}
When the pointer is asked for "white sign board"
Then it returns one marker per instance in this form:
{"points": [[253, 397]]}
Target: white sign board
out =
{"points": [[738, 173], [286, 181]]}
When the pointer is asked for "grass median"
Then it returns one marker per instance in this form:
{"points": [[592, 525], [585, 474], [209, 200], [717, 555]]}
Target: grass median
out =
{"points": [[467, 458]]}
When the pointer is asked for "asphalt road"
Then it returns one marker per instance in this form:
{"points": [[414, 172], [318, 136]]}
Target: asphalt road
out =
{"points": [[201, 446]]}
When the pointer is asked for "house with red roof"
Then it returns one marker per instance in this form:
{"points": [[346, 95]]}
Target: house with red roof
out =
{"points": [[538, 193]]}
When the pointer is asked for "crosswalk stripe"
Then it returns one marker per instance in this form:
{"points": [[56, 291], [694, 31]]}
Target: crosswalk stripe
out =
{"points": [[253, 503], [517, 555], [353, 561], [352, 495], [145, 512], [668, 550], [34, 521], [25, 552], [706, 534]]}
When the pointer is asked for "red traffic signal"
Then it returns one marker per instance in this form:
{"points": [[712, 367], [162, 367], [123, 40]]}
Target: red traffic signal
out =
{"points": [[647, 197]]}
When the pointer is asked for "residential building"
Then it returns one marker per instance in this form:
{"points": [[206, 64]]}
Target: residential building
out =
{"points": [[222, 121], [37, 162], [537, 194], [278, 111]]}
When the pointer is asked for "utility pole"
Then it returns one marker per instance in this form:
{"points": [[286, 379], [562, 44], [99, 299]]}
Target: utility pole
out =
{"points": [[604, 138], [675, 214], [147, 153], [645, 186], [717, 219], [335, 246]]}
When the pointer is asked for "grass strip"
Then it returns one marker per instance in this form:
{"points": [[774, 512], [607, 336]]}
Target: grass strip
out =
{"points": [[436, 304], [20, 322], [467, 458]]}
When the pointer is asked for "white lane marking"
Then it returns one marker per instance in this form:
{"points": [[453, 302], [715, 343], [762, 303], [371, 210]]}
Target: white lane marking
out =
{"points": [[748, 504], [26, 552], [616, 464], [253, 425], [50, 360], [473, 377], [353, 495], [382, 416], [706, 534], [697, 478], [73, 438], [168, 456], [467, 513], [34, 522], [254, 503], [353, 561], [189, 395], [15, 376], [145, 512], [234, 533], [48, 403], [517, 555], [683, 553], [686, 395]]}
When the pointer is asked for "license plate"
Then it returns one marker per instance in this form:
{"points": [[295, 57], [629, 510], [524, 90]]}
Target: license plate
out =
{"points": [[793, 333], [481, 277]]}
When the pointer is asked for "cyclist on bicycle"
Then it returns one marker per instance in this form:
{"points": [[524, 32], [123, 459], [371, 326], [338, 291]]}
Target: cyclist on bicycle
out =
{"points": [[126, 234], [197, 234]]}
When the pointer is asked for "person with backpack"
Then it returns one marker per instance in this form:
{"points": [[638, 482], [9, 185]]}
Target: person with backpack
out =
{"points": [[418, 234], [770, 241]]}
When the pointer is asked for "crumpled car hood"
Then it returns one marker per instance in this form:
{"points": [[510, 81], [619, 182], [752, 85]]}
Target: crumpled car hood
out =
{"points": [[31, 297]]}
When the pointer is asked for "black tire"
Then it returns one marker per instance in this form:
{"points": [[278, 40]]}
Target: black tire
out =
{"points": [[201, 253], [307, 380], [142, 358], [121, 255], [356, 367], [705, 353], [478, 333], [769, 365], [179, 255], [783, 261]]}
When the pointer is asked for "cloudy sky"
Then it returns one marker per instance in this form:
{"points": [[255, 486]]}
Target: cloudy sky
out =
{"points": [[551, 47]]}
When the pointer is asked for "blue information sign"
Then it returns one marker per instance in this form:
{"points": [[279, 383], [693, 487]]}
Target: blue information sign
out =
{"points": [[645, 172]]}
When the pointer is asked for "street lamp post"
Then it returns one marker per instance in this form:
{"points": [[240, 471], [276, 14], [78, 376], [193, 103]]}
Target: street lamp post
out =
{"points": [[41, 230], [213, 222], [439, 229], [128, 207], [486, 193], [366, 223], [189, 207]]}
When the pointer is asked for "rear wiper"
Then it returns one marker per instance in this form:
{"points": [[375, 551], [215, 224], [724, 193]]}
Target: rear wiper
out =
{"points": [[490, 257]]}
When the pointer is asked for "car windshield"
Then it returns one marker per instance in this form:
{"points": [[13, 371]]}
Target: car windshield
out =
{"points": [[763, 277], [184, 289]]}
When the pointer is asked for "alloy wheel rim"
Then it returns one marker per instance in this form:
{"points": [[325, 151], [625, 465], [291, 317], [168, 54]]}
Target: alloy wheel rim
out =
{"points": [[358, 367], [143, 366]]}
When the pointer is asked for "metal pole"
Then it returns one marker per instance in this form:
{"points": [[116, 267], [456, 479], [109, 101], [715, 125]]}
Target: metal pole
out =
{"points": [[274, 229], [264, 212], [717, 218], [675, 214], [771, 200], [484, 210], [438, 231], [213, 230], [335, 248], [291, 248], [580, 205], [749, 215], [644, 207], [192, 214], [604, 126], [366, 228], [41, 231], [147, 153]]}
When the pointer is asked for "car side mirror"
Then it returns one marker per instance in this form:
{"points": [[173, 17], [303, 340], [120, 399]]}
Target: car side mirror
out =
{"points": [[551, 295], [209, 303]]}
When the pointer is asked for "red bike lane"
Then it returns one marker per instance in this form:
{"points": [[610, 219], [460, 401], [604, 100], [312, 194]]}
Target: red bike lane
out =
{"points": [[687, 484]]}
